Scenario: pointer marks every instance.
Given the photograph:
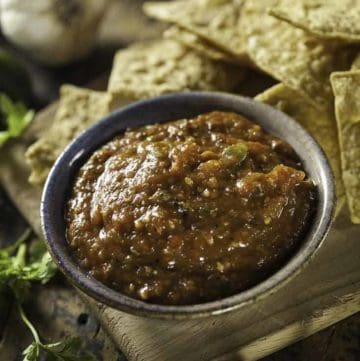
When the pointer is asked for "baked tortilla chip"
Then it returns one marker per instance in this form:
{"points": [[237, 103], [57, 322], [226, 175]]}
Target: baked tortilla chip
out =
{"points": [[78, 109], [195, 42], [291, 55], [329, 19], [216, 21], [346, 87], [319, 122], [164, 66]]}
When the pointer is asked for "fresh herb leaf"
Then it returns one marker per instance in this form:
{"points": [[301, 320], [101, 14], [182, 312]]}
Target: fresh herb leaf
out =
{"points": [[17, 118], [18, 268], [17, 273], [237, 152], [41, 270], [31, 353], [36, 250], [67, 350]]}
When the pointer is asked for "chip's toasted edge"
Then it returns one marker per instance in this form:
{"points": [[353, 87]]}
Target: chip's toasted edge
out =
{"points": [[195, 42], [327, 36], [165, 66], [217, 22], [292, 56], [320, 124], [346, 87], [326, 19], [78, 108]]}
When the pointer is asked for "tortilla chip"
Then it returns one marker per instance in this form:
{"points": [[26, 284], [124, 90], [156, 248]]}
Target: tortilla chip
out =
{"points": [[164, 66], [78, 109], [290, 55], [346, 87], [195, 42], [356, 63], [320, 123], [329, 19], [216, 21]]}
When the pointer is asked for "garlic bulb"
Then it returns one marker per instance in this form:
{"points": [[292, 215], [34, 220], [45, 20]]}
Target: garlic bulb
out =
{"points": [[54, 32]]}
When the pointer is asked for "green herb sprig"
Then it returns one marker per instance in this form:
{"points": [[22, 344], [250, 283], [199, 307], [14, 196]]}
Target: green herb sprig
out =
{"points": [[17, 117], [19, 267]]}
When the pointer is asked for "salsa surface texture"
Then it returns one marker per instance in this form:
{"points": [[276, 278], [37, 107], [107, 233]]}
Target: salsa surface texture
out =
{"points": [[189, 211]]}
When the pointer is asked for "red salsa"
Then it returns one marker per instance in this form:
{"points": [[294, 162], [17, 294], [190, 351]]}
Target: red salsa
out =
{"points": [[189, 211]]}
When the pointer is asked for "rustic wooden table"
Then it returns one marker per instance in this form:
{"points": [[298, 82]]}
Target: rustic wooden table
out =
{"points": [[57, 308]]}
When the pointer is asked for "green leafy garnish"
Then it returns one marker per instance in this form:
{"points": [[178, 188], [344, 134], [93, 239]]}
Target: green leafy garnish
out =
{"points": [[236, 151], [17, 273], [67, 350], [17, 117], [19, 266]]}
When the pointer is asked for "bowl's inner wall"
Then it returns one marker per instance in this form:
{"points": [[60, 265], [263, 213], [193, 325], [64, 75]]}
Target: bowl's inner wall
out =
{"points": [[160, 110]]}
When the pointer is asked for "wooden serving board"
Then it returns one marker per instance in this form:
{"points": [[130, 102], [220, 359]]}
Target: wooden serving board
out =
{"points": [[327, 291]]}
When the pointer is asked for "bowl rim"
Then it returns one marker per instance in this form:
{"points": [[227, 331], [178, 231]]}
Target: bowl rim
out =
{"points": [[100, 292]]}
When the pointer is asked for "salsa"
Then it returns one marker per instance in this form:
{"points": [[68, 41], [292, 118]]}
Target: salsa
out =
{"points": [[189, 211]]}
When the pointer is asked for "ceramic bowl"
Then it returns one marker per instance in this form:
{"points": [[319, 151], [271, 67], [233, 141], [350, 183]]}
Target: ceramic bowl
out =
{"points": [[162, 109]]}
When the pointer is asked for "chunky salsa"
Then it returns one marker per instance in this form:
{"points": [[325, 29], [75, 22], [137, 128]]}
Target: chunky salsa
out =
{"points": [[189, 211]]}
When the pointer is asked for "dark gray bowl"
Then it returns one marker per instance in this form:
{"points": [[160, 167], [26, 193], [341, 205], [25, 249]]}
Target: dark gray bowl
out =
{"points": [[171, 107]]}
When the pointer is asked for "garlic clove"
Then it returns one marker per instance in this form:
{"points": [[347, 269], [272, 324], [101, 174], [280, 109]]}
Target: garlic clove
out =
{"points": [[54, 32]]}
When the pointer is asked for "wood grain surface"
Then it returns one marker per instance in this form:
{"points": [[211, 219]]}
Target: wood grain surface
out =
{"points": [[327, 291]]}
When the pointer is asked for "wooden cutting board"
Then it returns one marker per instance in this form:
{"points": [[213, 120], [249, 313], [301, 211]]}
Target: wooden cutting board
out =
{"points": [[327, 291]]}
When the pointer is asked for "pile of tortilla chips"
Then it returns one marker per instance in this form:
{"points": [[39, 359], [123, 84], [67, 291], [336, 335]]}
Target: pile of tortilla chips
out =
{"points": [[310, 48]]}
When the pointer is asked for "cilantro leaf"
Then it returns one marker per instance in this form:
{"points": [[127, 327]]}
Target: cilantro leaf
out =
{"points": [[17, 118], [17, 273], [42, 268], [31, 353], [236, 151], [67, 350], [19, 266]]}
